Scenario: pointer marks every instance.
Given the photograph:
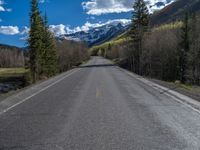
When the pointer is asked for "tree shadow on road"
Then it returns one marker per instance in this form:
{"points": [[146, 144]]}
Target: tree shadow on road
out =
{"points": [[97, 65]]}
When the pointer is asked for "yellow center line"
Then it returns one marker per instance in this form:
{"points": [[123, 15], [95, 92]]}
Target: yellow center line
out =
{"points": [[98, 92]]}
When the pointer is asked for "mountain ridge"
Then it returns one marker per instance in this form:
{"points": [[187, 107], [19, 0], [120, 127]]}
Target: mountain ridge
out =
{"points": [[6, 46], [98, 35], [175, 11]]}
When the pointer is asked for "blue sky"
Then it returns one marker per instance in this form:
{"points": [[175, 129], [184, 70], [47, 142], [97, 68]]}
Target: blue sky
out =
{"points": [[65, 16], [70, 14]]}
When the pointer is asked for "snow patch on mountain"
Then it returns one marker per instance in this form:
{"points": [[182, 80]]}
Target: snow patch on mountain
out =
{"points": [[155, 5], [97, 33], [94, 34]]}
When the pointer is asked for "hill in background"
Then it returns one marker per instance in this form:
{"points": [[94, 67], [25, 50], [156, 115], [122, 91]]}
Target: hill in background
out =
{"points": [[175, 11]]}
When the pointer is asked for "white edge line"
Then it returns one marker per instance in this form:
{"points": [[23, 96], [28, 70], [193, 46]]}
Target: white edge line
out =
{"points": [[36, 93], [169, 95], [183, 103]]}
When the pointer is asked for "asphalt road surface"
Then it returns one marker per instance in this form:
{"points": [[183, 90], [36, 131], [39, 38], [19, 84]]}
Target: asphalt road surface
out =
{"points": [[100, 107]]}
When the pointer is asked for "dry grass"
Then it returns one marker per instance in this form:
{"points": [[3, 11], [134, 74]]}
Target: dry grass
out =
{"points": [[8, 72]]}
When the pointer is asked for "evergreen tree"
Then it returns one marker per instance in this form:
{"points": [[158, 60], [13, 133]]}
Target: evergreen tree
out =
{"points": [[35, 39], [43, 54], [48, 56], [194, 53], [140, 22], [184, 49]]}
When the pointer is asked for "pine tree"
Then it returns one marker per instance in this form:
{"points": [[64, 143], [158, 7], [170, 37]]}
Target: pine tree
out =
{"points": [[140, 22], [35, 39], [184, 49], [49, 59], [194, 54], [43, 55]]}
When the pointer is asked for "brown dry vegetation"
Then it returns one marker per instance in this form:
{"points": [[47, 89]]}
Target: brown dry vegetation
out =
{"points": [[71, 54], [160, 52]]}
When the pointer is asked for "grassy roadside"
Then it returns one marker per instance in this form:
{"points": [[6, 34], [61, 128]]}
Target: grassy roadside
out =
{"points": [[192, 91], [12, 79], [16, 76], [189, 90], [12, 72]]}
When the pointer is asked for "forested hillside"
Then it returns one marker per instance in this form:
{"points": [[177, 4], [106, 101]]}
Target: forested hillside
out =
{"points": [[170, 51], [175, 11]]}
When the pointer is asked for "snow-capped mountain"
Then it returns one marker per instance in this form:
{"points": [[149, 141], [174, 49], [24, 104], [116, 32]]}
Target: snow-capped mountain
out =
{"points": [[175, 11], [105, 32], [98, 35], [159, 4]]}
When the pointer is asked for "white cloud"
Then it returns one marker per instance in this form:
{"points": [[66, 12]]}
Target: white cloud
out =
{"points": [[25, 33], [92, 17], [8, 9], [58, 29], [43, 1], [62, 29], [9, 30], [99, 7], [2, 8], [25, 30], [124, 22], [155, 7], [87, 26], [1, 2]]}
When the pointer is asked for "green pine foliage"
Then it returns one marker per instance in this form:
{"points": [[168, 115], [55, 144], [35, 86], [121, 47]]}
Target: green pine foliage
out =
{"points": [[140, 22], [194, 53], [35, 39], [184, 49], [43, 54], [48, 57]]}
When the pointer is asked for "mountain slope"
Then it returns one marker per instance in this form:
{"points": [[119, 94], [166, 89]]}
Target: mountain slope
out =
{"points": [[175, 11], [159, 4], [97, 35]]}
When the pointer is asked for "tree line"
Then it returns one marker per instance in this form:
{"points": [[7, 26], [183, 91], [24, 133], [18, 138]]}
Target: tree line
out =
{"points": [[49, 56], [71, 53], [45, 54], [168, 52], [11, 57]]}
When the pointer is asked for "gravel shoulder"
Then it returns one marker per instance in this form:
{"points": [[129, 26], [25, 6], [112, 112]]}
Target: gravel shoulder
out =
{"points": [[190, 91]]}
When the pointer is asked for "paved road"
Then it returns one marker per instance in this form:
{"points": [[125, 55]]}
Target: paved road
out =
{"points": [[100, 107]]}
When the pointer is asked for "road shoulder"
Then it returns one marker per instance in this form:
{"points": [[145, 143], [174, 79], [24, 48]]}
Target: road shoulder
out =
{"points": [[176, 95], [25, 94]]}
